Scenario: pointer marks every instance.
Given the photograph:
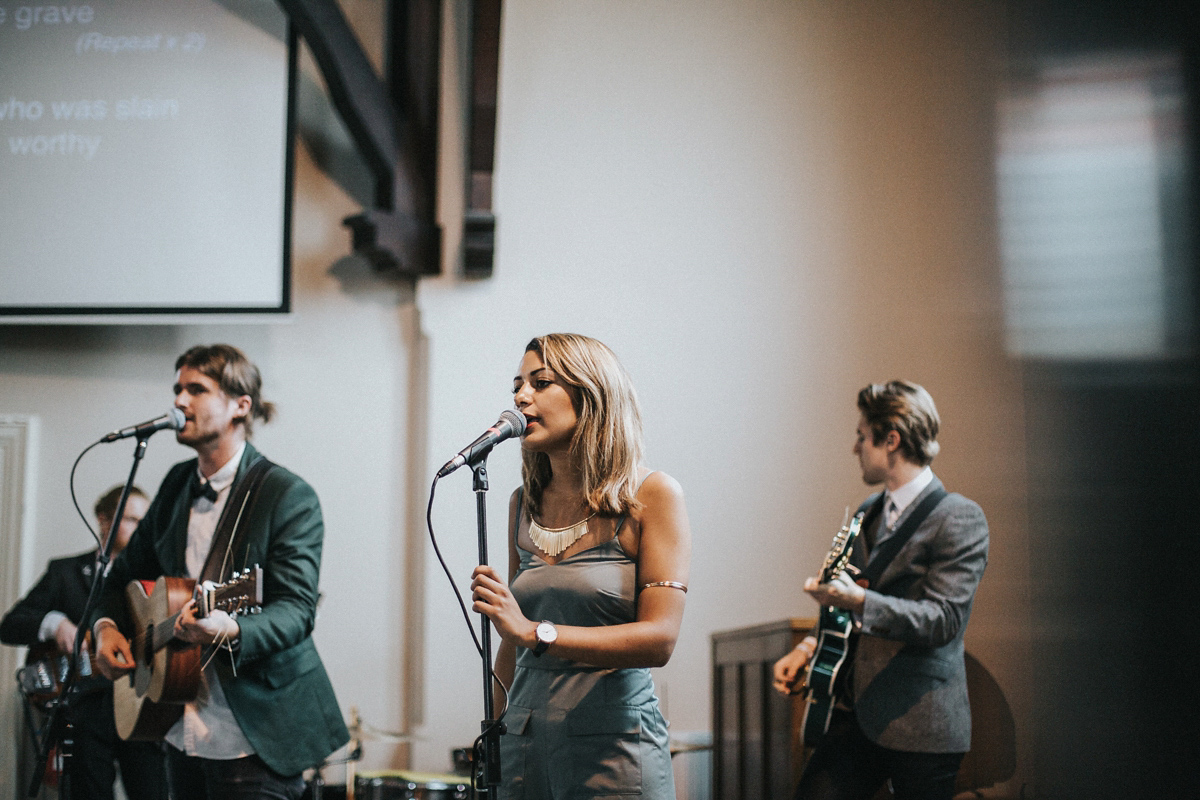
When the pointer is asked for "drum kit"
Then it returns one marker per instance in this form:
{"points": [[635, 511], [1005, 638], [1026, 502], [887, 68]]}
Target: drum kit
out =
{"points": [[403, 784], [400, 784], [395, 784]]}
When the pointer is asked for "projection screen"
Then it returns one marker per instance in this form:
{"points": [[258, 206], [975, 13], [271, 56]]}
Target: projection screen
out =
{"points": [[145, 158]]}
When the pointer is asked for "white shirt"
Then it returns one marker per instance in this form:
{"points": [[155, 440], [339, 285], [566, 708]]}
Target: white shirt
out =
{"points": [[49, 627], [903, 497], [208, 728]]}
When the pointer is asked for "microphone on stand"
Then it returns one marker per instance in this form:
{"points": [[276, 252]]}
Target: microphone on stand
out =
{"points": [[173, 419], [510, 424]]}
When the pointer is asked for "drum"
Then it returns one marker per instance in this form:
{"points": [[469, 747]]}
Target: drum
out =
{"points": [[400, 784]]}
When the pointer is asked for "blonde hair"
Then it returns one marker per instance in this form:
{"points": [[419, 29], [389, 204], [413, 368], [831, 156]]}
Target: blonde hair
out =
{"points": [[607, 443]]}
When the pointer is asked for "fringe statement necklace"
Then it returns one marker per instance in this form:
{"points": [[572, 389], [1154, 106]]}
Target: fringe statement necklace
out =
{"points": [[553, 541]]}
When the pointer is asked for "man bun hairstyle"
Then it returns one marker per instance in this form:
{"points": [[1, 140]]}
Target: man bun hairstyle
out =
{"points": [[907, 409], [235, 374]]}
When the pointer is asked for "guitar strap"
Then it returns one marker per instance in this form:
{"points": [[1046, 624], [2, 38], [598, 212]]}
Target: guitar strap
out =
{"points": [[240, 502], [873, 510], [878, 560]]}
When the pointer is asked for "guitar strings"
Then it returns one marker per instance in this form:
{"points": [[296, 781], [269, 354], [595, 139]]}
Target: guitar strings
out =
{"points": [[236, 524], [222, 641]]}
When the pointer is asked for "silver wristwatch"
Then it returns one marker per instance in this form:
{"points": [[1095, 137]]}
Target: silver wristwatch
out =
{"points": [[546, 635]]}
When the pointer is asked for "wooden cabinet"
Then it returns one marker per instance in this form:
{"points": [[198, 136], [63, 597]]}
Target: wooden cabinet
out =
{"points": [[757, 752]]}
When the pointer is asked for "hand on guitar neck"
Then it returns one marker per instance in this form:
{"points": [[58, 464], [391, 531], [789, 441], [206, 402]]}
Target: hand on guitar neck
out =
{"points": [[841, 591], [216, 627]]}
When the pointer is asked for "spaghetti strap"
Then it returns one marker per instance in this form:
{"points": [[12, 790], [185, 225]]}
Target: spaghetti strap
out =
{"points": [[621, 519], [520, 509]]}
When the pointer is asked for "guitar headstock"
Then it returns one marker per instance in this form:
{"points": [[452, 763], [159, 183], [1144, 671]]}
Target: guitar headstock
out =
{"points": [[241, 594], [843, 545]]}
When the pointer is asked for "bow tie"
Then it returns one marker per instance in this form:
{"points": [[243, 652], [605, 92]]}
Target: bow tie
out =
{"points": [[202, 488]]}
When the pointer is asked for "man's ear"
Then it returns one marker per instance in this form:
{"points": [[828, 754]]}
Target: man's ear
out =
{"points": [[892, 441], [244, 404]]}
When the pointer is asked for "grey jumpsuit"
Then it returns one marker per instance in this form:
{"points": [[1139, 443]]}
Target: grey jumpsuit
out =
{"points": [[574, 730]]}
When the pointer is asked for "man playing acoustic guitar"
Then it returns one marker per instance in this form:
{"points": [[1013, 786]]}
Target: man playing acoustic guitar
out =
{"points": [[264, 709], [903, 713]]}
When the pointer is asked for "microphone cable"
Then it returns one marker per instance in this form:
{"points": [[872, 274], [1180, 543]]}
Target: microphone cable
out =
{"points": [[477, 747], [74, 499]]}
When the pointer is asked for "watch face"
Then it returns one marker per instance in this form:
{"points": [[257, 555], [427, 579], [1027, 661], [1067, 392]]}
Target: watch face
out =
{"points": [[546, 632]]}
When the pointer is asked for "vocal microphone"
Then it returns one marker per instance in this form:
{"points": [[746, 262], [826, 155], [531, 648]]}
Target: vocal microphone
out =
{"points": [[510, 424], [173, 419]]}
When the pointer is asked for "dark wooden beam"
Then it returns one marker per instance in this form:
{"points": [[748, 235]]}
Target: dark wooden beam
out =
{"points": [[356, 91], [479, 232], [392, 124]]}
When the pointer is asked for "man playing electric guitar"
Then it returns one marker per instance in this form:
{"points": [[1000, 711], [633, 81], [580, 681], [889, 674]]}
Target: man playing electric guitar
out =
{"points": [[904, 714], [45, 619], [265, 710]]}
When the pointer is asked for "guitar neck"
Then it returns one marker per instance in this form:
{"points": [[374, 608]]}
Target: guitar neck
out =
{"points": [[163, 633], [242, 593]]}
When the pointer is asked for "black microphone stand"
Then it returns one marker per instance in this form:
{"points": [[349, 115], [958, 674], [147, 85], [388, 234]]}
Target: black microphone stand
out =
{"points": [[492, 729], [58, 729]]}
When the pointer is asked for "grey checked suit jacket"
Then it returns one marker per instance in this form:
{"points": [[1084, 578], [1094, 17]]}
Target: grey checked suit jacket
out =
{"points": [[909, 677]]}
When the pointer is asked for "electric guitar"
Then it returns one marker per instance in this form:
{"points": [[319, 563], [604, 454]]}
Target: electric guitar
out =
{"points": [[834, 627], [148, 701], [46, 670]]}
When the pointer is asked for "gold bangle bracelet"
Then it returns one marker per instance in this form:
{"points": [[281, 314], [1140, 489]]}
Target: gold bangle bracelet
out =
{"points": [[668, 584]]}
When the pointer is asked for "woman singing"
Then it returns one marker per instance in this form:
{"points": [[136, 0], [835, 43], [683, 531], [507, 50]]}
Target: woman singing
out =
{"points": [[598, 565]]}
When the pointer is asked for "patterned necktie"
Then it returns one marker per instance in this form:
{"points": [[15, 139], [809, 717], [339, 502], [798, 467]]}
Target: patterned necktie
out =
{"points": [[891, 514]]}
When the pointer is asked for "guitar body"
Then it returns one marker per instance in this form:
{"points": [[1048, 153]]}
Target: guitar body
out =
{"points": [[825, 671], [138, 718], [148, 701]]}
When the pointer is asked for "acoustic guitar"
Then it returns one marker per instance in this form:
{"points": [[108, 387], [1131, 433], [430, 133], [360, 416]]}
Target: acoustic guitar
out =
{"points": [[148, 701], [834, 628]]}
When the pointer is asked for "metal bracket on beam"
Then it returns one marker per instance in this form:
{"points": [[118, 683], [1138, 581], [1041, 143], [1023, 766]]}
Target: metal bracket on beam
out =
{"points": [[392, 243]]}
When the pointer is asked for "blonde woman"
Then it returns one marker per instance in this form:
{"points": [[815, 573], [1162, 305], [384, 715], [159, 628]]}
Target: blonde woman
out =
{"points": [[598, 571]]}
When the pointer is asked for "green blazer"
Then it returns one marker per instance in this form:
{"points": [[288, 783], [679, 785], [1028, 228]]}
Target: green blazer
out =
{"points": [[275, 683]]}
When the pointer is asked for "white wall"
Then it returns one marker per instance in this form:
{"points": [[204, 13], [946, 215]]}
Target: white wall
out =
{"points": [[760, 206]]}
